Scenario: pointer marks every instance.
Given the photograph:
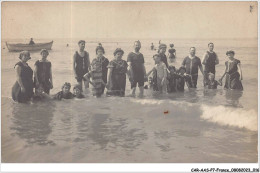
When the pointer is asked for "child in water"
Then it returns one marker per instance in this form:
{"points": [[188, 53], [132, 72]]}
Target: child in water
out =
{"points": [[96, 75], [212, 83], [77, 92], [64, 93], [160, 70], [181, 79], [171, 87], [40, 94]]}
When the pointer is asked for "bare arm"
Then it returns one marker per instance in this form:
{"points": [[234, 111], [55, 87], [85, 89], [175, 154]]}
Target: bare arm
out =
{"points": [[51, 77], [217, 60], [148, 74], [201, 69], [204, 58], [87, 77], [18, 77], [74, 65], [240, 70], [35, 74], [223, 74], [130, 71]]}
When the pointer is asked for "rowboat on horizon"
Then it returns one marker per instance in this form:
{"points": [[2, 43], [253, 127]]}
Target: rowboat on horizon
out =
{"points": [[28, 47]]}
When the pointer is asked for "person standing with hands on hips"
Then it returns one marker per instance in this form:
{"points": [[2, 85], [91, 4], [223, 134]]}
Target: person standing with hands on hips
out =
{"points": [[137, 72]]}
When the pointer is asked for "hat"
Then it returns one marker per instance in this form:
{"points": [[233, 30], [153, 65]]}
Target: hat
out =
{"points": [[118, 50], [25, 52], [230, 52], [162, 46], [77, 86], [44, 50], [81, 41]]}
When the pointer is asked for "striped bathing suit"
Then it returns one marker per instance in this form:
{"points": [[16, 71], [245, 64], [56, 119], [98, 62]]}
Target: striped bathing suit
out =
{"points": [[96, 77]]}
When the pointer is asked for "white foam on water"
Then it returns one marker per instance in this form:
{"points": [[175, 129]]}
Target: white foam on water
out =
{"points": [[231, 116]]}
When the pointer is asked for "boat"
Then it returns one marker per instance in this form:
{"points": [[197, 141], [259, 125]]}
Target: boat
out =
{"points": [[33, 47]]}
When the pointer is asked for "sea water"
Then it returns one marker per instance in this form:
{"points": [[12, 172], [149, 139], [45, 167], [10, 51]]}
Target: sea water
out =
{"points": [[194, 126]]}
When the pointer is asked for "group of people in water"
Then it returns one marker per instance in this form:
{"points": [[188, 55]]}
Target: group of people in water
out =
{"points": [[101, 74]]}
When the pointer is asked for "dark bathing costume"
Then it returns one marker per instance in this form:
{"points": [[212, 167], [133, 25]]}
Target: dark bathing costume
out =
{"points": [[137, 61], [192, 68], [82, 64], [43, 74], [26, 77], [118, 77], [232, 75]]}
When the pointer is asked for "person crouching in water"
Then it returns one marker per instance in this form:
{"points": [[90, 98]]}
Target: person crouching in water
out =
{"points": [[116, 78], [96, 78], [77, 92], [64, 93], [212, 83], [171, 87], [160, 70]]}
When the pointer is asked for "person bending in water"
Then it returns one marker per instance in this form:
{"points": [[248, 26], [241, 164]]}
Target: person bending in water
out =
{"points": [[77, 92], [136, 69], [212, 83], [64, 93], [81, 64], [96, 76], [160, 70]]}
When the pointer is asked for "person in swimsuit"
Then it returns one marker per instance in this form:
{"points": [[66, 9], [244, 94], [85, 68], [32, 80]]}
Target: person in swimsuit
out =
{"points": [[209, 60], [77, 92], [172, 54], [161, 53], [100, 51], [31, 42], [136, 69], [117, 70], [96, 78], [212, 83], [233, 72], [152, 46], [43, 73], [161, 73], [192, 63], [22, 90], [64, 93], [81, 64], [171, 87]]}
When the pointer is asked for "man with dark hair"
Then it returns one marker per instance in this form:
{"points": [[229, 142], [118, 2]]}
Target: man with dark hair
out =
{"points": [[210, 60], [192, 63], [31, 42], [136, 67]]}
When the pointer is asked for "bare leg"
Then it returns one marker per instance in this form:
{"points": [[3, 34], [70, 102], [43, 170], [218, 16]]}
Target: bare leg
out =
{"points": [[141, 94], [133, 91]]}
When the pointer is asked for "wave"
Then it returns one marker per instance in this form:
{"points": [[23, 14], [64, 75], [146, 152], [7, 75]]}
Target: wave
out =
{"points": [[228, 116]]}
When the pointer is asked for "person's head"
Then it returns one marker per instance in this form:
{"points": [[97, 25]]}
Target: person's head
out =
{"points": [[100, 51], [44, 53], [162, 48], [182, 70], [99, 44], [192, 51], [230, 54], [77, 90], [171, 45], [211, 46], [24, 56], [152, 43], [31, 39], [211, 76], [66, 88], [81, 44], [172, 69], [157, 58], [39, 91], [137, 45], [118, 53]]}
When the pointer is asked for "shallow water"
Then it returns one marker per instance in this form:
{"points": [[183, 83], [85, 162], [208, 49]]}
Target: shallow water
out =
{"points": [[201, 125]]}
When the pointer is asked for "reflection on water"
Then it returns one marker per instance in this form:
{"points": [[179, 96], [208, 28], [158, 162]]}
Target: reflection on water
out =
{"points": [[232, 97], [33, 122]]}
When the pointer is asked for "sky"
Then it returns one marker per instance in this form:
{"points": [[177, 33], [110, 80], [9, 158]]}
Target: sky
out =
{"points": [[49, 20]]}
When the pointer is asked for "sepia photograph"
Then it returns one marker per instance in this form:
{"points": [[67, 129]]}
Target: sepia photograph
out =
{"points": [[129, 82]]}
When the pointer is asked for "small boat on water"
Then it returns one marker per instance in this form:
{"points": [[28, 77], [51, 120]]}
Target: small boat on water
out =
{"points": [[28, 47]]}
